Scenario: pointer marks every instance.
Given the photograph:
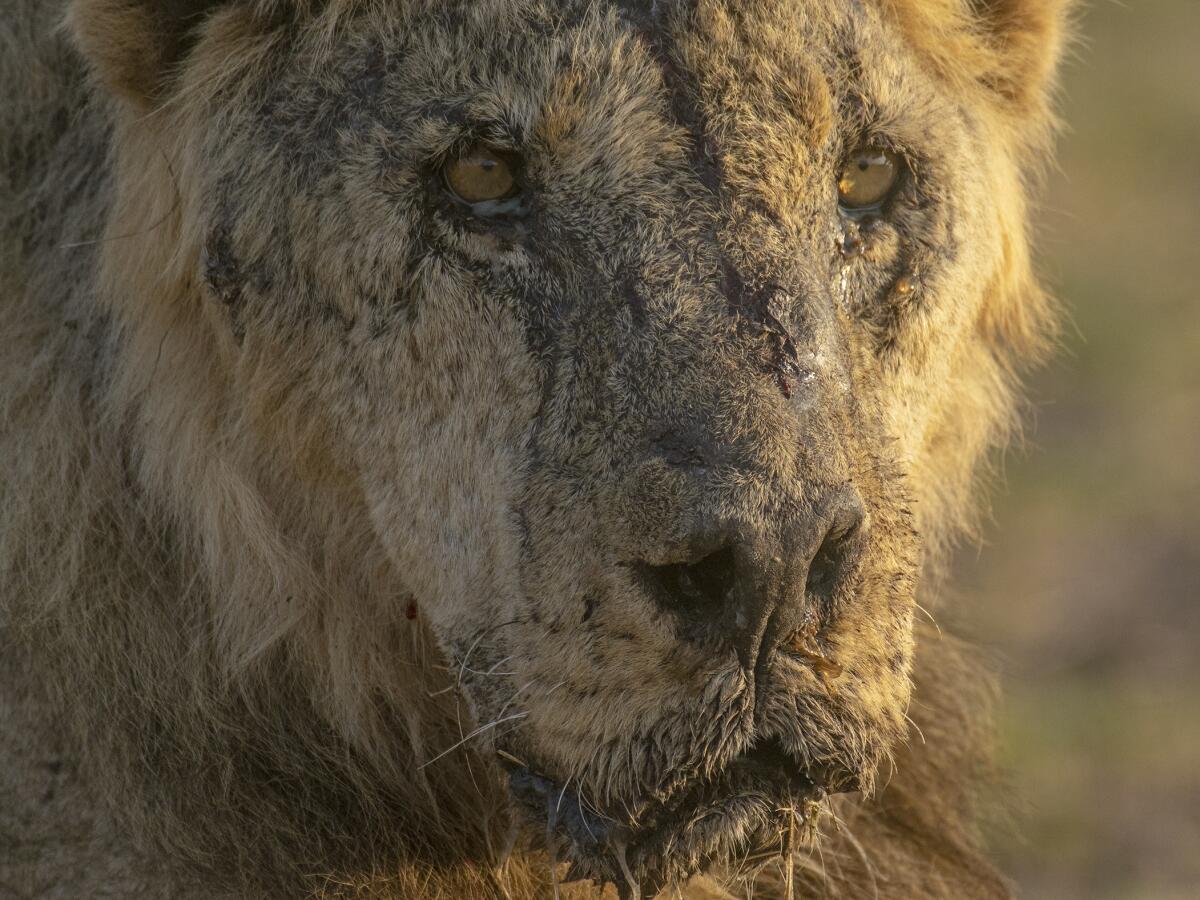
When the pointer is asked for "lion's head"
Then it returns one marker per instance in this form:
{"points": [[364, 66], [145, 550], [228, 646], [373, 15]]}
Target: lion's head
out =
{"points": [[640, 354]]}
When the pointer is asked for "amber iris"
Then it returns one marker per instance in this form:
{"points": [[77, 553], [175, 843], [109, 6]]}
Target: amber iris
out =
{"points": [[869, 178], [480, 175]]}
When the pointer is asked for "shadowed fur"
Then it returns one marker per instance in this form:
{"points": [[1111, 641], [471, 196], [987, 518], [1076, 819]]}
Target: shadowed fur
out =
{"points": [[360, 542]]}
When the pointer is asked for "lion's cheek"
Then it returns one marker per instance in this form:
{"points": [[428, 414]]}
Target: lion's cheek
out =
{"points": [[439, 443]]}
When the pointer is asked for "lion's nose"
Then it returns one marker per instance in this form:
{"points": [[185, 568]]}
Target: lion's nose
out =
{"points": [[753, 591]]}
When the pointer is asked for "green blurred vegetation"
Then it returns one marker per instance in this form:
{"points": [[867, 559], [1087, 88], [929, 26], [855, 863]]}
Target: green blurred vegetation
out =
{"points": [[1089, 585]]}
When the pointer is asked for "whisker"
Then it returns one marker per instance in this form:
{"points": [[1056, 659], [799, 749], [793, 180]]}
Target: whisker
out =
{"points": [[789, 853], [467, 658], [920, 733], [930, 617], [478, 731]]}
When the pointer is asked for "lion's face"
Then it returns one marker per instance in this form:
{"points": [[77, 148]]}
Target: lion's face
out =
{"points": [[633, 331]]}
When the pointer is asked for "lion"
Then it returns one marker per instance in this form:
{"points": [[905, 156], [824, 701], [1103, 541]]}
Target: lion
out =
{"points": [[505, 448]]}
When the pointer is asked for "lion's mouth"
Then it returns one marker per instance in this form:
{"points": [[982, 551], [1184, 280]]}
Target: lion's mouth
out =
{"points": [[749, 811]]}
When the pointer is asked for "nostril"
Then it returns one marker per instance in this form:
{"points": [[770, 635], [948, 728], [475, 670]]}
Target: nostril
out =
{"points": [[830, 559], [695, 591]]}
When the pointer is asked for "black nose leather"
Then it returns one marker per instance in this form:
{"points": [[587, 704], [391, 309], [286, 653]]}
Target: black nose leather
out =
{"points": [[753, 590]]}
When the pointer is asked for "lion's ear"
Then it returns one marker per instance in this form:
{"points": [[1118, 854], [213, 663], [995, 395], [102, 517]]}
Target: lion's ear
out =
{"points": [[135, 46], [1027, 37], [1010, 46]]}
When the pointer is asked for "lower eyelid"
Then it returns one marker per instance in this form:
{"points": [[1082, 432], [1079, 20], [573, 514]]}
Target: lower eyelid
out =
{"points": [[505, 206]]}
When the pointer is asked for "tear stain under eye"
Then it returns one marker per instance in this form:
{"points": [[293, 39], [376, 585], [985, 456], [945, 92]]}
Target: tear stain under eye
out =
{"points": [[852, 243], [857, 229]]}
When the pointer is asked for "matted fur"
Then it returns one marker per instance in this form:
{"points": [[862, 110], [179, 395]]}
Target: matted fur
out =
{"points": [[217, 511]]}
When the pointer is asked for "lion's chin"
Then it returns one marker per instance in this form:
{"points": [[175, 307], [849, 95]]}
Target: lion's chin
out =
{"points": [[761, 804]]}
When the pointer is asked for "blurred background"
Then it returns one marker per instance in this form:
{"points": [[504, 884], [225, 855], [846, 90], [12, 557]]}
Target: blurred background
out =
{"points": [[1088, 584]]}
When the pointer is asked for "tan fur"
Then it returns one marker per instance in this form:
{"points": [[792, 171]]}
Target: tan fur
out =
{"points": [[260, 397]]}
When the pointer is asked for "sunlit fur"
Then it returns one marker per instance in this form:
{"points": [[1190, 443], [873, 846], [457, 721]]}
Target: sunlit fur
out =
{"points": [[269, 495]]}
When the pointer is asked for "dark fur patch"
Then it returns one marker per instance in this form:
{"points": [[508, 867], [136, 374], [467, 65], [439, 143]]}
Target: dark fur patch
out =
{"points": [[223, 273]]}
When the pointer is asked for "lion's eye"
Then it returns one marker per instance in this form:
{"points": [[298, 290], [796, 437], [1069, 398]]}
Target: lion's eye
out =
{"points": [[480, 175], [869, 178]]}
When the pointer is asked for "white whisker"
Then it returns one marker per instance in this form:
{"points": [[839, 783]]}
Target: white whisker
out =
{"points": [[478, 731]]}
